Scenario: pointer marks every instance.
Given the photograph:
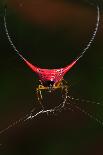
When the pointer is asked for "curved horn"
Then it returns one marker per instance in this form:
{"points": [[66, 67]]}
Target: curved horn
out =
{"points": [[34, 68], [88, 45]]}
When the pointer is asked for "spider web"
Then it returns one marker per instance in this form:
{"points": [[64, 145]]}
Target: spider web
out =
{"points": [[68, 103]]}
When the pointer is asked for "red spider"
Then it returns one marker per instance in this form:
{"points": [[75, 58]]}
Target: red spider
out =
{"points": [[52, 79]]}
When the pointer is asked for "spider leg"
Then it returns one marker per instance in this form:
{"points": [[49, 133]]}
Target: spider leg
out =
{"points": [[39, 96], [64, 90]]}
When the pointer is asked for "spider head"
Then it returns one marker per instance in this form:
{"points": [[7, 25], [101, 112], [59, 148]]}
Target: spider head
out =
{"points": [[49, 84]]}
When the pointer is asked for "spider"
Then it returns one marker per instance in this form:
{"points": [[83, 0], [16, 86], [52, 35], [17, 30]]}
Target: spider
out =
{"points": [[52, 79]]}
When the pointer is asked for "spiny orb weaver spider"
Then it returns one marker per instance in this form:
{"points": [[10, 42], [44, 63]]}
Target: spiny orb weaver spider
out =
{"points": [[52, 79]]}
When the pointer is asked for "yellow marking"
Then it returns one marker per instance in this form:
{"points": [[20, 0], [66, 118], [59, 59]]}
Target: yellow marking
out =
{"points": [[55, 86]]}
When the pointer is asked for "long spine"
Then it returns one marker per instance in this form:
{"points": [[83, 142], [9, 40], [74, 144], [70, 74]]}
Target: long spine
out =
{"points": [[93, 35]]}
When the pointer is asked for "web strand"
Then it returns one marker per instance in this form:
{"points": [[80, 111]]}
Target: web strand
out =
{"points": [[31, 116], [85, 101], [84, 111]]}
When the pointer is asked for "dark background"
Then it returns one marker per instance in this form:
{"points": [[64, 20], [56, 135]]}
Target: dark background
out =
{"points": [[50, 34]]}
